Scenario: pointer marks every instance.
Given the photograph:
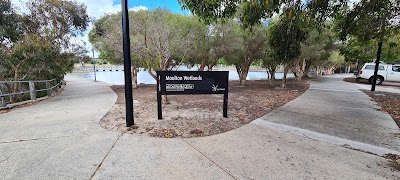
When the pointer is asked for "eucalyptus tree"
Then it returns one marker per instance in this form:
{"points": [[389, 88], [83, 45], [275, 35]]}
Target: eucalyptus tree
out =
{"points": [[244, 48], [160, 40], [37, 45], [9, 28], [256, 10], [355, 50], [48, 23], [58, 21], [163, 40], [202, 46], [254, 47], [224, 36], [287, 36], [315, 51]]}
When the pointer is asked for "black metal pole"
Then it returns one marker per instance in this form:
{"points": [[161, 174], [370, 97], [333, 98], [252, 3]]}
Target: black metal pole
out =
{"points": [[127, 65], [94, 67], [378, 57], [225, 105], [159, 105], [225, 108]]}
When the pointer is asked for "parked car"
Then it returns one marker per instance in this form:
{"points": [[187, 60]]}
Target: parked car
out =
{"points": [[386, 72]]}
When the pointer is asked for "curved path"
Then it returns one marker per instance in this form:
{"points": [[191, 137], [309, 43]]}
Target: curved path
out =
{"points": [[60, 138]]}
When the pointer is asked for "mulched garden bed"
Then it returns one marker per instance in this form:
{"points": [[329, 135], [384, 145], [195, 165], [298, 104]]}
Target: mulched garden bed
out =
{"points": [[200, 115], [355, 80]]}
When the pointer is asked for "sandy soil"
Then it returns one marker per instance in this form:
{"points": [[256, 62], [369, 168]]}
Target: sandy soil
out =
{"points": [[200, 115]]}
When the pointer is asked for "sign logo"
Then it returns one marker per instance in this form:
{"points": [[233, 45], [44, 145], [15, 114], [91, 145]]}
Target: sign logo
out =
{"points": [[216, 89]]}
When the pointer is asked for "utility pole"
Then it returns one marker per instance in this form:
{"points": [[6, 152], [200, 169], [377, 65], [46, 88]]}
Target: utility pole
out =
{"points": [[94, 66], [127, 64]]}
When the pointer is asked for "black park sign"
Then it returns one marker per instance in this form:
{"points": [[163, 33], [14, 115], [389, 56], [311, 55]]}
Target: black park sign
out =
{"points": [[192, 82]]}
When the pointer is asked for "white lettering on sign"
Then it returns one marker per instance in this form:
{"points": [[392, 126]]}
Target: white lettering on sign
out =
{"points": [[173, 78], [178, 87], [192, 78], [186, 78]]}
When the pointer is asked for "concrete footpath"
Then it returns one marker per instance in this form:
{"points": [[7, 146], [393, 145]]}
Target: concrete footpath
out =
{"points": [[60, 138]]}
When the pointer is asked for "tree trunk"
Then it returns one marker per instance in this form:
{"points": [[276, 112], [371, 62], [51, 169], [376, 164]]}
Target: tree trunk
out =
{"points": [[285, 71], [151, 73], [318, 69], [134, 77], [306, 69], [242, 70], [330, 70], [297, 67], [272, 71], [164, 99], [242, 76], [273, 75], [303, 68], [202, 66], [209, 67]]}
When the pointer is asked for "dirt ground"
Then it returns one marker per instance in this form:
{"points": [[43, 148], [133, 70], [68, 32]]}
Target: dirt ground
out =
{"points": [[354, 80], [200, 115], [390, 103]]}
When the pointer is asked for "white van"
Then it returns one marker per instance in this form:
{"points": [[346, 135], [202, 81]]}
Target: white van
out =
{"points": [[386, 72]]}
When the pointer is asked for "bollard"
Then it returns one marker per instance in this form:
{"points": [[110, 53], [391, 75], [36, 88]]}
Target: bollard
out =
{"points": [[48, 89], [32, 90]]}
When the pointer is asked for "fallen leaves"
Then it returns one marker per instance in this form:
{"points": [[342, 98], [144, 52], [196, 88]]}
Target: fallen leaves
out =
{"points": [[394, 157]]}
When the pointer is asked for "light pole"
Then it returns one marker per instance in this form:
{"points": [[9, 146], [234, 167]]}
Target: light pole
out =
{"points": [[127, 64], [94, 66]]}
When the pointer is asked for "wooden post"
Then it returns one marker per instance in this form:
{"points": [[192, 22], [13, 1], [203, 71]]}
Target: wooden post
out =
{"points": [[56, 87], [48, 89], [32, 90], [2, 100]]}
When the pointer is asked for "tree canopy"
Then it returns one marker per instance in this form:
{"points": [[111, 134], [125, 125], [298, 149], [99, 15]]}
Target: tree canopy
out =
{"points": [[256, 10], [37, 45]]}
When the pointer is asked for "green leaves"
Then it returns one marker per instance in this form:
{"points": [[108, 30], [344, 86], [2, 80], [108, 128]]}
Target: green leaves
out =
{"points": [[369, 19], [286, 37], [8, 22], [37, 45], [58, 19], [211, 10]]}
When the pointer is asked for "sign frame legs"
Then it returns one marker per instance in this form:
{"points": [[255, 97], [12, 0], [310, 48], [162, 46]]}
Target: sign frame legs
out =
{"points": [[225, 108]]}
